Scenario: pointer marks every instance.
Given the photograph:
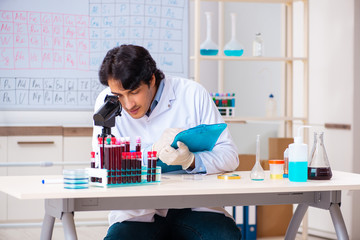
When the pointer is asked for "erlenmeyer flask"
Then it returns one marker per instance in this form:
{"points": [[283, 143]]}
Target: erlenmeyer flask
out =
{"points": [[208, 47], [233, 47], [319, 167], [257, 173]]}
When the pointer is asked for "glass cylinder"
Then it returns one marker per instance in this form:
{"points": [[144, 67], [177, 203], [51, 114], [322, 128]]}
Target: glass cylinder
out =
{"points": [[233, 47], [208, 47], [319, 166]]}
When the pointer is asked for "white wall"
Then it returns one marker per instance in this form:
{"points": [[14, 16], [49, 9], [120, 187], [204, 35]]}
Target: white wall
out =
{"points": [[331, 100]]}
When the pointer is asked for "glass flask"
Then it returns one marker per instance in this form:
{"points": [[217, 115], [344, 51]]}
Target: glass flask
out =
{"points": [[319, 167], [208, 47], [233, 47], [258, 46], [257, 173]]}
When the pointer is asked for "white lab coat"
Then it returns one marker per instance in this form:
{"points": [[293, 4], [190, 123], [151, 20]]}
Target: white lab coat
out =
{"points": [[183, 104]]}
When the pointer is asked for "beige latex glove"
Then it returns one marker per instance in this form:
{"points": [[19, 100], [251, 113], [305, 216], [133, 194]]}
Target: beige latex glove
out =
{"points": [[166, 139], [181, 156]]}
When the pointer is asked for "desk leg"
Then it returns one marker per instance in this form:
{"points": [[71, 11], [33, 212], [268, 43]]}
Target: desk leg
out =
{"points": [[296, 221], [338, 221], [47, 227], [69, 226]]}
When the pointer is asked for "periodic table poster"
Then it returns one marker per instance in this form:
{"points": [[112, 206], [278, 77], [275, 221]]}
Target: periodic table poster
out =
{"points": [[50, 51]]}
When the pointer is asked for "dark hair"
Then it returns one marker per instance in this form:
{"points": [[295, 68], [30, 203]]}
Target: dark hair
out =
{"points": [[131, 65]]}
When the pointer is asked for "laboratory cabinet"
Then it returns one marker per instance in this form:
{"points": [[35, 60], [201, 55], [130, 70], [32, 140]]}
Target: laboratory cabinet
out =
{"points": [[3, 196], [30, 149], [64, 147]]}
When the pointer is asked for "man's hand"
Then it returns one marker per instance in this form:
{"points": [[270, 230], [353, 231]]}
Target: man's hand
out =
{"points": [[181, 156], [166, 139]]}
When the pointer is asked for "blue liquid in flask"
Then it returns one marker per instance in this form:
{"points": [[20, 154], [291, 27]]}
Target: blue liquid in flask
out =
{"points": [[209, 52], [234, 53], [298, 171]]}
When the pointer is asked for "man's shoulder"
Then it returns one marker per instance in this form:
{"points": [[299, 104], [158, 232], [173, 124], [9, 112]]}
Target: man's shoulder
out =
{"points": [[179, 83]]}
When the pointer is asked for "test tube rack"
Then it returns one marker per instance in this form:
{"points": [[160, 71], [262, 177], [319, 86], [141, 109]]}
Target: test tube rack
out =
{"points": [[225, 103], [106, 178]]}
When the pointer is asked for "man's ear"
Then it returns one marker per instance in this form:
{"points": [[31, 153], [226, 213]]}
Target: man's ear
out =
{"points": [[153, 81]]}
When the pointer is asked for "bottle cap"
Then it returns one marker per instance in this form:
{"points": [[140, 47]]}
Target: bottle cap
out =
{"points": [[92, 154], [113, 140], [276, 161], [108, 141], [100, 140], [138, 139], [271, 95]]}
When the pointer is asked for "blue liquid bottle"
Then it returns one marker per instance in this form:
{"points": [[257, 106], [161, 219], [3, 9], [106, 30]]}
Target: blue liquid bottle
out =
{"points": [[208, 47], [298, 159], [233, 48]]}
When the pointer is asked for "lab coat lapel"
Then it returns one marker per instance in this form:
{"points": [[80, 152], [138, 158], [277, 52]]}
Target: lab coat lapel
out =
{"points": [[167, 96]]}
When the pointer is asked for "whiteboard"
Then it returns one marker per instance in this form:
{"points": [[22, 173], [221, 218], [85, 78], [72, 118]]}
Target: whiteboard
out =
{"points": [[50, 51]]}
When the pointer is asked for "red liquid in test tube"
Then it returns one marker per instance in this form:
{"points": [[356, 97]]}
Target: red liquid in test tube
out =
{"points": [[118, 161], [108, 157], [133, 167], [138, 166], [138, 144], [127, 144], [113, 161], [123, 167], [148, 177], [100, 142], [153, 166], [128, 167], [92, 164]]}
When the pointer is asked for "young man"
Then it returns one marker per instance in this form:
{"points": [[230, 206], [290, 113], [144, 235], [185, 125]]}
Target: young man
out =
{"points": [[157, 108]]}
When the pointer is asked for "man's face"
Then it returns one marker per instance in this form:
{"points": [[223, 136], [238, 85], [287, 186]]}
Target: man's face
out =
{"points": [[135, 102]]}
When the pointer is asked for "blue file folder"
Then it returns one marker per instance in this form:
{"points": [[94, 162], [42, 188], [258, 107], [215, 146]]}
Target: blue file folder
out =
{"points": [[239, 217], [250, 222], [200, 138]]}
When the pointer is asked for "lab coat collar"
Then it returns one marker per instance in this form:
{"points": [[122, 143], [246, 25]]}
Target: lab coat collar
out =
{"points": [[167, 96]]}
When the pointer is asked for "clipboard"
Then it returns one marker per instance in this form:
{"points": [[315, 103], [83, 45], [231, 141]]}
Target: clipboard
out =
{"points": [[200, 138]]}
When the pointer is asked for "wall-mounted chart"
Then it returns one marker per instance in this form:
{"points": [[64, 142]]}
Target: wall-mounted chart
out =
{"points": [[50, 51]]}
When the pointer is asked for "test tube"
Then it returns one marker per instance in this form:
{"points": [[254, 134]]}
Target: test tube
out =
{"points": [[149, 157], [153, 166], [138, 144], [128, 167], [138, 166], [92, 164], [118, 161], [133, 167], [123, 167], [100, 142], [108, 157], [113, 160], [127, 144]]}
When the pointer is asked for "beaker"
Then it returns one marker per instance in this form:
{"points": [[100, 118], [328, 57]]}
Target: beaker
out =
{"points": [[319, 167], [257, 172], [208, 47], [233, 47]]}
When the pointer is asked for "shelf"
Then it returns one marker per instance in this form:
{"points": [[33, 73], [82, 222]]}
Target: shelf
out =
{"points": [[265, 59], [260, 119]]}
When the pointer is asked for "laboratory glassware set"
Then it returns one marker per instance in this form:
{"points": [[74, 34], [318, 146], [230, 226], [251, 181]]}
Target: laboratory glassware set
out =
{"points": [[233, 48], [295, 164]]}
